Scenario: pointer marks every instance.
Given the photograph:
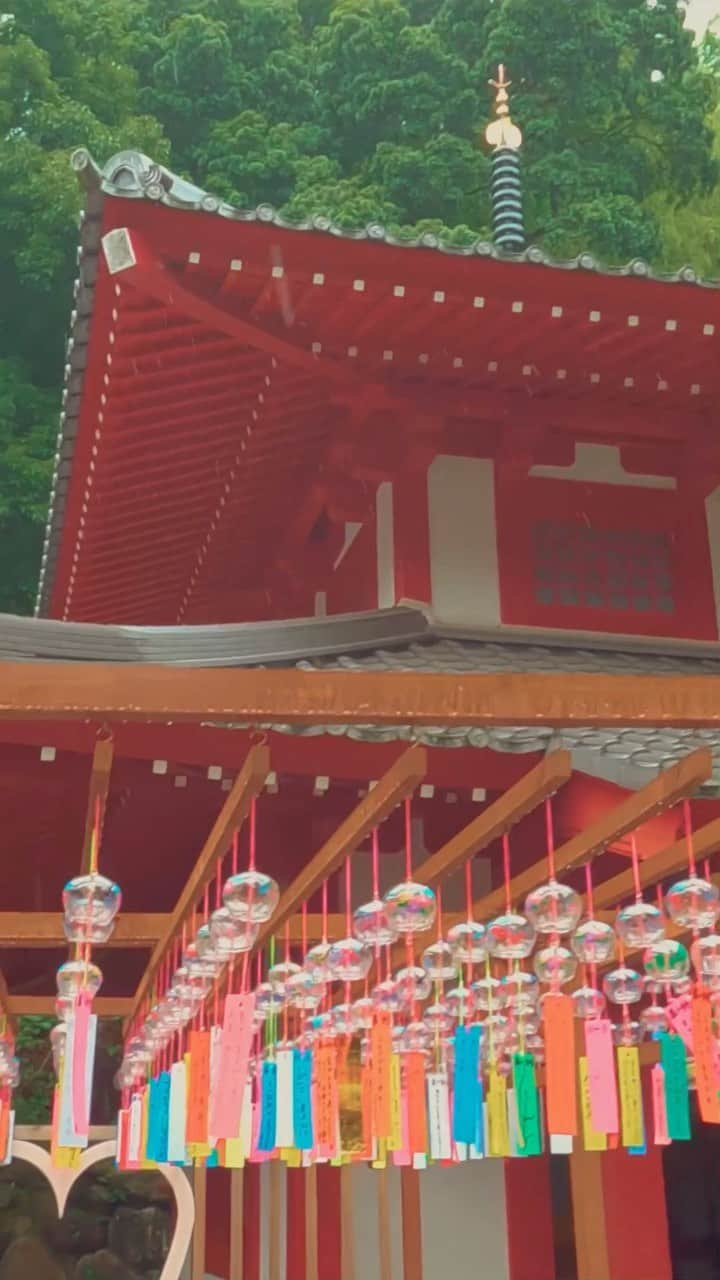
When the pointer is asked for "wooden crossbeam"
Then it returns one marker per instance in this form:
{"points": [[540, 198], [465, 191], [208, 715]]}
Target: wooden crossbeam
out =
{"points": [[662, 793], [400, 781], [38, 930], [7, 1013], [706, 841], [21, 1006], [247, 785], [510, 808], [115, 692]]}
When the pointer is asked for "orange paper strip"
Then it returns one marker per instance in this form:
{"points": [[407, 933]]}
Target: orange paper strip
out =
{"points": [[380, 1051], [326, 1108], [199, 1088], [706, 1080], [560, 1072]]}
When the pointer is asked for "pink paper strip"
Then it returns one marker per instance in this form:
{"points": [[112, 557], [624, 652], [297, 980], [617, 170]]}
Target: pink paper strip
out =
{"points": [[661, 1137], [80, 1100], [601, 1075], [232, 1074]]}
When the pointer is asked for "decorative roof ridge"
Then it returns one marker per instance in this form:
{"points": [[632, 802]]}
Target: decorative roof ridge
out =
{"points": [[132, 175]]}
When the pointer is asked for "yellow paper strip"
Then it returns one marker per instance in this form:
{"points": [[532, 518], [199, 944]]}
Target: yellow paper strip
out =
{"points": [[631, 1107], [592, 1140], [395, 1139], [380, 1161], [498, 1128]]}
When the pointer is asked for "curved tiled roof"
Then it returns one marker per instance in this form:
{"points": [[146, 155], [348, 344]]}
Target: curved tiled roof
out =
{"points": [[133, 176]]}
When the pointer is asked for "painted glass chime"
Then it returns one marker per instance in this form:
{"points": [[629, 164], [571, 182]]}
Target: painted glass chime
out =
{"points": [[494, 1038]]}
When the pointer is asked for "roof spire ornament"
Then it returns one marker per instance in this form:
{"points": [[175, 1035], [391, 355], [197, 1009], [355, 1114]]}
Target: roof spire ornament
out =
{"points": [[506, 190]]}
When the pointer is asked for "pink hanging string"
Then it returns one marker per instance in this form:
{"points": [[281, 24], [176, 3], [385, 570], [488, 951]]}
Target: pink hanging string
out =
{"points": [[408, 839], [253, 832], [324, 909], [635, 868], [550, 838], [348, 898], [687, 820], [375, 864], [235, 852], [506, 870], [468, 890]]}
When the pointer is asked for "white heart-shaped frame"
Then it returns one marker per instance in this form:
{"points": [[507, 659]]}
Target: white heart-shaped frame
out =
{"points": [[62, 1180]]}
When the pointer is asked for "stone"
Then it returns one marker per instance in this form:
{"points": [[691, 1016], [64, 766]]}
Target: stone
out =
{"points": [[78, 1231], [27, 1257], [103, 1265], [140, 1237]]}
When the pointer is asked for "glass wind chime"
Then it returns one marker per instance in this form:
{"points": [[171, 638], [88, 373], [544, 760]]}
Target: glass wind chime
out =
{"points": [[447, 1042], [91, 903]]}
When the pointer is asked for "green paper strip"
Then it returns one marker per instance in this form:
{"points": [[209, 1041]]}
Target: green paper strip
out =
{"points": [[528, 1105], [677, 1096]]}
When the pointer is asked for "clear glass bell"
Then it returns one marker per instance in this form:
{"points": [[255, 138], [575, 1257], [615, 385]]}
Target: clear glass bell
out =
{"points": [[706, 955], [58, 1040], [623, 985], [627, 1033], [594, 942], [303, 992], [667, 960], [251, 895], [372, 925], [316, 962], [525, 1021], [412, 984], [342, 1019], [554, 965], [189, 985], [78, 975], [177, 1010], [693, 903], [207, 966], [386, 996], [230, 936], [97, 934], [363, 1012], [459, 1002], [438, 1018], [90, 900], [268, 999], [553, 908], [467, 942], [510, 937], [588, 1002], [206, 945], [410, 907], [414, 1038], [654, 1020], [640, 924], [487, 993], [281, 973], [348, 960], [438, 961], [519, 990]]}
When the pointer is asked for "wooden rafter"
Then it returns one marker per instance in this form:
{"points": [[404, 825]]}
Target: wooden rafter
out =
{"points": [[662, 793], [44, 1006], [400, 781], [248, 784], [103, 691], [37, 930], [510, 808], [97, 795], [706, 841]]}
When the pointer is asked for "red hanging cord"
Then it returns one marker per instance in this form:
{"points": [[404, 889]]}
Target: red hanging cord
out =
{"points": [[589, 890], [550, 838], [375, 864], [235, 852], [468, 889], [438, 898], [689, 837], [635, 868], [408, 839], [348, 899], [506, 870], [253, 832], [324, 910]]}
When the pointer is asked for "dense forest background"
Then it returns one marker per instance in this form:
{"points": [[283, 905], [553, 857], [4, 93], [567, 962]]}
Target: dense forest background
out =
{"points": [[364, 110]]}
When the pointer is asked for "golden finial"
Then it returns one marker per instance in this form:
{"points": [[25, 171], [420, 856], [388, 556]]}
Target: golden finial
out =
{"points": [[502, 132]]}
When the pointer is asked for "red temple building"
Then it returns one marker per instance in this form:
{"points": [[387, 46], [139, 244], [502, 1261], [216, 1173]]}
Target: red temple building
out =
{"points": [[291, 447]]}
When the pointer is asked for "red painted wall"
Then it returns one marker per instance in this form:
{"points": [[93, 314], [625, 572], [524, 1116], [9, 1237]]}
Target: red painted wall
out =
{"points": [[353, 585]]}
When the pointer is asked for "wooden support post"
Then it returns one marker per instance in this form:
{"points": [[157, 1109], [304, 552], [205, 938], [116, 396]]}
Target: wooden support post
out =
{"points": [[411, 1224], [311, 1224], [588, 1203], [237, 1216], [384, 1239], [275, 1173], [347, 1228], [199, 1179]]}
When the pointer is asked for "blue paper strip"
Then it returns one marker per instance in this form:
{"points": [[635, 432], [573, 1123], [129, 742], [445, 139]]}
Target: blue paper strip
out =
{"points": [[268, 1108], [302, 1099], [158, 1118], [466, 1092]]}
